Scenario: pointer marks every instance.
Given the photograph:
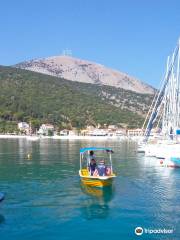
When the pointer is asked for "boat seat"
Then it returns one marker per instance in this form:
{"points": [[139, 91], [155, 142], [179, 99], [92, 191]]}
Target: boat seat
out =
{"points": [[85, 172]]}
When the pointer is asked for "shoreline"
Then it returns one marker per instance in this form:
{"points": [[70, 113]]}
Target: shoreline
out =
{"points": [[73, 137], [6, 136], [70, 137]]}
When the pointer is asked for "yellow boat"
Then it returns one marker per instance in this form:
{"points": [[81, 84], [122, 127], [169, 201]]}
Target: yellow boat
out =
{"points": [[98, 179]]}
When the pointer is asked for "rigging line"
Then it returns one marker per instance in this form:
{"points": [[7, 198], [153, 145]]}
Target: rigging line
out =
{"points": [[160, 86], [150, 109], [160, 95]]}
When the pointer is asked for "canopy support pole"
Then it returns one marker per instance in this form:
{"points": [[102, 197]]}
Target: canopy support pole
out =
{"points": [[110, 158]]}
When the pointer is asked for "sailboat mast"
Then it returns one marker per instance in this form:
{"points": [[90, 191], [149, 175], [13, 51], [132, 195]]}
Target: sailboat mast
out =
{"points": [[169, 108]]}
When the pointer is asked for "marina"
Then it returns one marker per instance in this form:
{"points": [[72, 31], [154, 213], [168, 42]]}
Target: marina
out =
{"points": [[90, 120], [101, 178], [45, 197]]}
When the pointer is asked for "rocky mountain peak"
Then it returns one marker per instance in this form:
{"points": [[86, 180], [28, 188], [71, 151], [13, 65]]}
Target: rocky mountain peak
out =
{"points": [[79, 70]]}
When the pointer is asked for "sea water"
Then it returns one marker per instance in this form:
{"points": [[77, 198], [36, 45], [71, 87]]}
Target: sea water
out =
{"points": [[45, 199]]}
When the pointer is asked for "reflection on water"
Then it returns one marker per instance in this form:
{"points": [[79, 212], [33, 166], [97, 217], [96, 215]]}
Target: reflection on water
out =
{"points": [[46, 198], [105, 193], [2, 219], [93, 210], [97, 205]]}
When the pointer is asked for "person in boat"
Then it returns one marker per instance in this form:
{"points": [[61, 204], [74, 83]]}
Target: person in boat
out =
{"points": [[101, 168], [108, 171], [92, 162], [92, 166], [91, 155]]}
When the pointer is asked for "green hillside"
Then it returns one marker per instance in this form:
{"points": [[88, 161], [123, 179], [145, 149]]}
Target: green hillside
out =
{"points": [[26, 95]]}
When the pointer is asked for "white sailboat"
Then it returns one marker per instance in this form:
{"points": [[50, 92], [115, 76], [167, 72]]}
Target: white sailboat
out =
{"points": [[165, 114]]}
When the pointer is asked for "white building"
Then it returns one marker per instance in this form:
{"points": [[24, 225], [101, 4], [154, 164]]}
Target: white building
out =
{"points": [[135, 132], [24, 127], [98, 132], [45, 129], [64, 132], [112, 127]]}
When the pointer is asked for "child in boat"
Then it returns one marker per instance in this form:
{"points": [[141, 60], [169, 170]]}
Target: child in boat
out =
{"points": [[92, 166]]}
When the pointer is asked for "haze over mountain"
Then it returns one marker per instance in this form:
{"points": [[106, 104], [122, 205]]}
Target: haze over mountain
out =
{"points": [[75, 69]]}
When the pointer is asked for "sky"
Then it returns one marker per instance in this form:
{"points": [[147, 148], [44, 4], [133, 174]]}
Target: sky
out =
{"points": [[132, 36]]}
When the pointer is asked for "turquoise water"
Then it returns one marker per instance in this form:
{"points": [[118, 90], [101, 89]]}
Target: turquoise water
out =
{"points": [[45, 199]]}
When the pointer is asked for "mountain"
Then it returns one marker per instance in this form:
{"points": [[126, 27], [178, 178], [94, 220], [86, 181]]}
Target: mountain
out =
{"points": [[27, 95], [79, 70]]}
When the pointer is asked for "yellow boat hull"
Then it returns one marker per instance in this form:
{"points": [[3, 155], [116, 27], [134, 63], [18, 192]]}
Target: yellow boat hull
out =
{"points": [[96, 182], [92, 181]]}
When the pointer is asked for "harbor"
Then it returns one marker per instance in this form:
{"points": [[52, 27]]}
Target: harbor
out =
{"points": [[131, 186], [44, 195], [90, 120]]}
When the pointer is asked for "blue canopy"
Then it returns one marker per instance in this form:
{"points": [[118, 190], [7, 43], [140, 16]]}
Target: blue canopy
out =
{"points": [[83, 150]]}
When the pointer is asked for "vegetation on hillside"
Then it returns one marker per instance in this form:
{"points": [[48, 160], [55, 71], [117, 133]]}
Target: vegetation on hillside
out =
{"points": [[29, 96]]}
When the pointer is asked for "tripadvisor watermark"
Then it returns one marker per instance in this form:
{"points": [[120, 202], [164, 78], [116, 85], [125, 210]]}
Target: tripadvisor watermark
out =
{"points": [[139, 231]]}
